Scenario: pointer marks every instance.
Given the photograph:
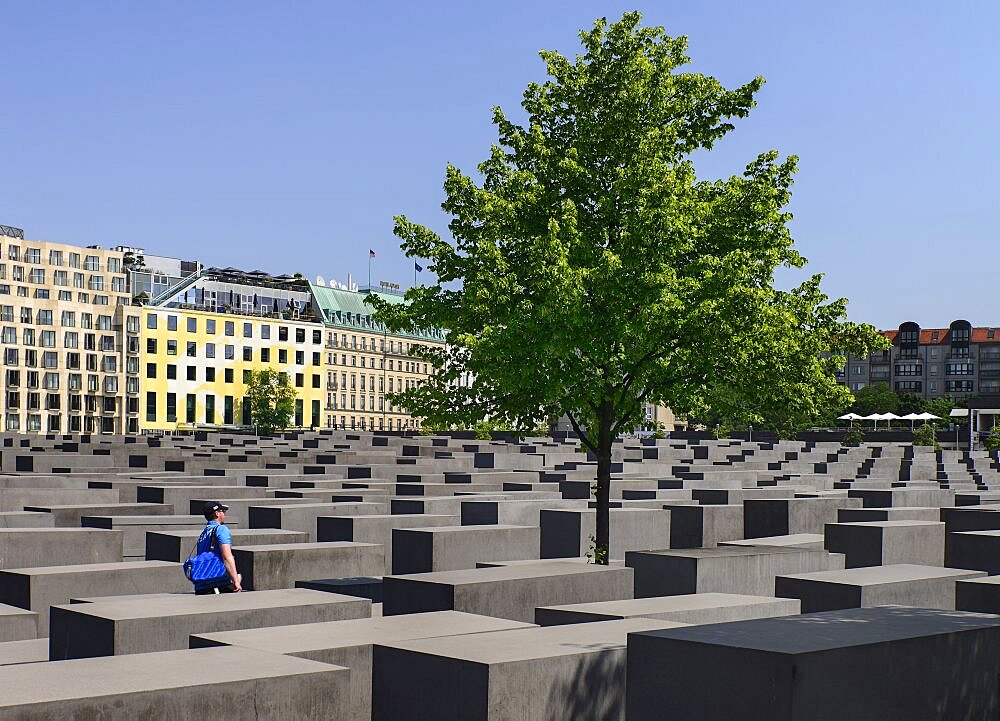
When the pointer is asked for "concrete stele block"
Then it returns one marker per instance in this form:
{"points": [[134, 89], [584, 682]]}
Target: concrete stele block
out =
{"points": [[698, 608], [872, 663], [115, 627], [904, 584], [188, 685], [349, 643], [542, 674]]}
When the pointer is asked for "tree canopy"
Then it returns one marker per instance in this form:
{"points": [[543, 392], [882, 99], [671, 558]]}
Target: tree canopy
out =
{"points": [[271, 399], [590, 271]]}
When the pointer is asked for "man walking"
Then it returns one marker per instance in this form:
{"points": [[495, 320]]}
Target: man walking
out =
{"points": [[217, 538]]}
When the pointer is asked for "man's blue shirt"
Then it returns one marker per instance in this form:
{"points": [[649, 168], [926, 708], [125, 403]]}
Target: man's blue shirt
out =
{"points": [[222, 535]]}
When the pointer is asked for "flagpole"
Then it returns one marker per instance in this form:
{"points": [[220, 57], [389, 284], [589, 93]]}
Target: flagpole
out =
{"points": [[369, 270]]}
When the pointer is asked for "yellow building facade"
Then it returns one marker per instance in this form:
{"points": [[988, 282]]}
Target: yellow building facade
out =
{"points": [[195, 366]]}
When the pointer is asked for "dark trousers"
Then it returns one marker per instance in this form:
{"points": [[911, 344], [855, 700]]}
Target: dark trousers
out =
{"points": [[228, 588]]}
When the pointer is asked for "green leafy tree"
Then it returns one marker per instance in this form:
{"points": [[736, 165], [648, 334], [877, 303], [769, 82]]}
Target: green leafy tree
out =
{"points": [[271, 399], [591, 271], [910, 403], [875, 398], [924, 435]]}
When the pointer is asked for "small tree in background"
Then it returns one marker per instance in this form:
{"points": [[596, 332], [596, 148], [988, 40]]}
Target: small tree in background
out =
{"points": [[875, 398], [271, 399], [924, 435]]}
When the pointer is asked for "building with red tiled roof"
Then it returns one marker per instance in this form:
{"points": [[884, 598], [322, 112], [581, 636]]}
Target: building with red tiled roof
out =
{"points": [[958, 361]]}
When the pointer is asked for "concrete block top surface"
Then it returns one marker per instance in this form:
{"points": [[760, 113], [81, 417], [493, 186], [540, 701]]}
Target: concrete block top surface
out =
{"points": [[463, 529], [33, 650], [993, 534], [792, 540], [526, 644], [294, 547], [812, 632], [890, 524], [506, 573], [664, 604], [305, 637], [983, 580], [181, 604], [879, 575], [36, 683], [117, 566], [725, 551]]}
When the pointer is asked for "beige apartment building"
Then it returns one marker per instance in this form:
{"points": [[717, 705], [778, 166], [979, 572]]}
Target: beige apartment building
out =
{"points": [[70, 338]]}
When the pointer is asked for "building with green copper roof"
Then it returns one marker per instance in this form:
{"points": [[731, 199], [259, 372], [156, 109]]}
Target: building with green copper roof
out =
{"points": [[346, 309]]}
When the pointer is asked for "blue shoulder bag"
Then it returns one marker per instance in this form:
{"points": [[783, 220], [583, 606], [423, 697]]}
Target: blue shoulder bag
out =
{"points": [[206, 568]]}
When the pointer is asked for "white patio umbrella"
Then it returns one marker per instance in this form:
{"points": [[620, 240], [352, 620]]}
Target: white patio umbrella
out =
{"points": [[850, 417], [927, 417], [911, 417], [889, 417], [872, 417]]}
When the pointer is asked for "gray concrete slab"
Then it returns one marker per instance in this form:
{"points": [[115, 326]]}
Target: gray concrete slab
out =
{"points": [[31, 547], [902, 584], [26, 519], [270, 567], [188, 685], [177, 546], [17, 624], [115, 627], [542, 674], [68, 516], [375, 529], [511, 592], [878, 663], [349, 643], [39, 588], [698, 608], [35, 650], [884, 543], [451, 548], [725, 569]]}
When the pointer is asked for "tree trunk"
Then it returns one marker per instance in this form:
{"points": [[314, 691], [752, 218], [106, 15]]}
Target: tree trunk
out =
{"points": [[603, 493]]}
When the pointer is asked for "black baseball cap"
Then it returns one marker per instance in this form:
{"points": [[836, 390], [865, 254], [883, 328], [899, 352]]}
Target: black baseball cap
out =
{"points": [[212, 506]]}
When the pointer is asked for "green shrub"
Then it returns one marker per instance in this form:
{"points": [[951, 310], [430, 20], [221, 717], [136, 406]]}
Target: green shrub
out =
{"points": [[924, 435], [854, 437]]}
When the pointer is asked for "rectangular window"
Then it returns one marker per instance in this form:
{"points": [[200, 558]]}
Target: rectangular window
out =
{"points": [[227, 410], [210, 408], [265, 332], [192, 325], [190, 408], [282, 355], [230, 352], [171, 407], [192, 373], [210, 374], [247, 353], [151, 346], [210, 326], [171, 347], [300, 335], [171, 372], [210, 350], [300, 358], [282, 332], [230, 328], [151, 406], [171, 322], [192, 349], [228, 375], [248, 330], [299, 382], [265, 355], [151, 321]]}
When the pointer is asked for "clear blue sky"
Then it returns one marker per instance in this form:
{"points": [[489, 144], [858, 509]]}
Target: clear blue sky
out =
{"points": [[286, 135]]}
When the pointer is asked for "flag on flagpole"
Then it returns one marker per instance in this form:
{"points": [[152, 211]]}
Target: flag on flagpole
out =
{"points": [[371, 253], [416, 267]]}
